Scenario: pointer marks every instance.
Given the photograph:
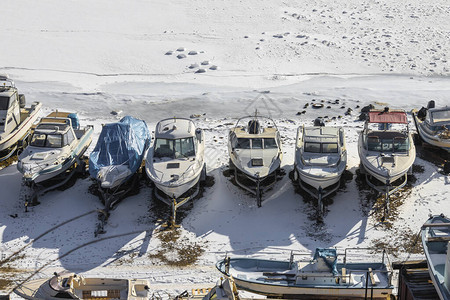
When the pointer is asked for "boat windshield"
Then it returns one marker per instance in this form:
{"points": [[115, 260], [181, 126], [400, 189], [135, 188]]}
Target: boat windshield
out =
{"points": [[174, 148], [4, 103], [46, 140], [321, 147], [440, 116], [256, 143], [397, 144]]}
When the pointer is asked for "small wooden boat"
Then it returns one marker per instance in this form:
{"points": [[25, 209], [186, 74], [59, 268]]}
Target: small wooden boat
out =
{"points": [[319, 277], [435, 241], [73, 286]]}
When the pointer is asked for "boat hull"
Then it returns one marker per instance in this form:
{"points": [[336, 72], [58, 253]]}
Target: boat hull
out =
{"points": [[334, 292], [12, 139], [318, 181], [176, 191], [436, 251], [429, 138]]}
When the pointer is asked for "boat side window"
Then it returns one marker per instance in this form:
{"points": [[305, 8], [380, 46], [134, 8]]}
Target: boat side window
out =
{"points": [[70, 136], [401, 144], [257, 144], [373, 143], [4, 103], [312, 147], [243, 143], [329, 148], [38, 140], [53, 141], [270, 143], [386, 145]]}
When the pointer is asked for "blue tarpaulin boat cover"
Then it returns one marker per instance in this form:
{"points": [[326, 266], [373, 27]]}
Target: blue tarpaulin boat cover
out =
{"points": [[122, 143], [327, 255]]}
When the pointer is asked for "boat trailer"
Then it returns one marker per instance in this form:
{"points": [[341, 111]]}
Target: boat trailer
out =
{"points": [[111, 197], [36, 190], [175, 203], [387, 190], [260, 186]]}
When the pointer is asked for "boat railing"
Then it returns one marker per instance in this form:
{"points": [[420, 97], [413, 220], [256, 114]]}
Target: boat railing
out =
{"points": [[257, 117]]}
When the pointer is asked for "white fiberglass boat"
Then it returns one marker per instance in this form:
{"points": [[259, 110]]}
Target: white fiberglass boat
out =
{"points": [[72, 286], [433, 125], [254, 146], [386, 149], [435, 242], [175, 163], [320, 277], [15, 119], [57, 144], [320, 160]]}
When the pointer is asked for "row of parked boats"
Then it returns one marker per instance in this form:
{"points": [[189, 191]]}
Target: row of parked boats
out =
{"points": [[174, 161], [326, 275]]}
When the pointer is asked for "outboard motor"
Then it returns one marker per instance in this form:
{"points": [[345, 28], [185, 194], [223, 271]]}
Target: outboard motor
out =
{"points": [[319, 122], [253, 127], [75, 121], [431, 104], [422, 113]]}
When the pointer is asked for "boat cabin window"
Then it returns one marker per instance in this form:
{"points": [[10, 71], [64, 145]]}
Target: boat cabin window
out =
{"points": [[174, 148], [256, 143], [329, 148], [440, 116], [4, 103], [312, 147], [68, 137], [270, 143], [46, 140], [396, 144]]}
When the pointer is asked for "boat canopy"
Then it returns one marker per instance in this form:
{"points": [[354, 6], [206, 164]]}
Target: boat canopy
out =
{"points": [[329, 256], [121, 143], [388, 117]]}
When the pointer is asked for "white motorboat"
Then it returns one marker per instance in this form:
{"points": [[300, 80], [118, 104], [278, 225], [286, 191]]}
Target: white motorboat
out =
{"points": [[16, 120], [386, 150], [254, 146], [175, 163], [320, 277], [433, 125], [73, 286], [56, 146], [320, 160]]}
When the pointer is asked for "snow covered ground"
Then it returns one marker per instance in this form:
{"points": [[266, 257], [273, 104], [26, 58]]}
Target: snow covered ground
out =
{"points": [[103, 56]]}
